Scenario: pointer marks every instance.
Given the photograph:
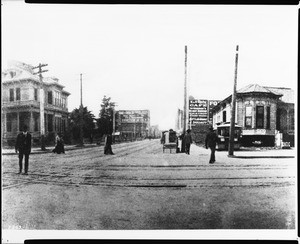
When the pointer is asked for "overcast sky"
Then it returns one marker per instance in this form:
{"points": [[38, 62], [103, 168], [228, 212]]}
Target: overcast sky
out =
{"points": [[135, 53]]}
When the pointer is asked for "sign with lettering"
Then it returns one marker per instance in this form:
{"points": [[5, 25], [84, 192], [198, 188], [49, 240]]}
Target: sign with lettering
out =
{"points": [[198, 111], [134, 116], [212, 104]]}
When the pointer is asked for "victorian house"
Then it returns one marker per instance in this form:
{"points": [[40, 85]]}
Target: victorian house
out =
{"points": [[21, 103]]}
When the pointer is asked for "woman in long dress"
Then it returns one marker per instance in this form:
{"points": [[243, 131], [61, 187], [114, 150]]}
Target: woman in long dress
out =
{"points": [[59, 147]]}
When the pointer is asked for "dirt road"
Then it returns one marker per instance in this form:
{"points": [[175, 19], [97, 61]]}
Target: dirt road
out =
{"points": [[141, 188]]}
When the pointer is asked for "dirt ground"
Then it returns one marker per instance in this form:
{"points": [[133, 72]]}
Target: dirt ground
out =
{"points": [[140, 188]]}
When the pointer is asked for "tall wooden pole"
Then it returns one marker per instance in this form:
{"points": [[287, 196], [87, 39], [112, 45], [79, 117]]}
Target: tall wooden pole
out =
{"points": [[80, 89], [185, 91], [42, 104], [81, 114], [185, 101], [233, 106]]}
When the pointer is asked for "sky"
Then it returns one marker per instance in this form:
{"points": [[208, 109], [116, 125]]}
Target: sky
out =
{"points": [[135, 53]]}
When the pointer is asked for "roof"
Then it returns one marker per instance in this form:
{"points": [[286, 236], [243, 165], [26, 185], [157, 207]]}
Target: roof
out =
{"points": [[250, 89], [18, 71], [287, 93], [17, 74], [255, 88]]}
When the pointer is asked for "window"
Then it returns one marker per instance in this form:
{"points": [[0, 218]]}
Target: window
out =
{"points": [[35, 94], [11, 95], [50, 122], [50, 98], [292, 116], [36, 121], [248, 117], [18, 94], [268, 118], [9, 119], [278, 115], [260, 117], [224, 116], [57, 101]]}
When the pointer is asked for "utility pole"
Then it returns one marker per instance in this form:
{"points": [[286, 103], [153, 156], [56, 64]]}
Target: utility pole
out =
{"points": [[114, 120], [42, 105], [81, 114], [185, 100], [233, 105]]}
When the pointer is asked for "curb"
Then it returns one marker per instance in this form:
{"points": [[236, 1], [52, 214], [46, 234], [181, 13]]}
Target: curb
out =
{"points": [[50, 150], [261, 157]]}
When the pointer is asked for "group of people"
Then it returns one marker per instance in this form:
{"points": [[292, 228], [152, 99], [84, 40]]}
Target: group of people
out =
{"points": [[210, 142], [23, 147]]}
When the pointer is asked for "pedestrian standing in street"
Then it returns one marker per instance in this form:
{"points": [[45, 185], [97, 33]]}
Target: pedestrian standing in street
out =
{"points": [[188, 141], [108, 143], [23, 146], [211, 142], [59, 145]]}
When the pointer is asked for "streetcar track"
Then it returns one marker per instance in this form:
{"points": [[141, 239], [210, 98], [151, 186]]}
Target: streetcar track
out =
{"points": [[103, 181], [80, 157], [103, 184]]}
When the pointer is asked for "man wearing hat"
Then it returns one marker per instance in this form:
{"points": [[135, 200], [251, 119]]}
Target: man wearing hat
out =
{"points": [[188, 141], [23, 146], [210, 142]]}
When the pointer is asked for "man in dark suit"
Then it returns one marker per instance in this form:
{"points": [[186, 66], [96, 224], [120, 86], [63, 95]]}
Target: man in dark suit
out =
{"points": [[23, 146], [188, 141], [211, 142]]}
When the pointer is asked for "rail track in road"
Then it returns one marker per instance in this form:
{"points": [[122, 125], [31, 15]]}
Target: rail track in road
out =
{"points": [[90, 167]]}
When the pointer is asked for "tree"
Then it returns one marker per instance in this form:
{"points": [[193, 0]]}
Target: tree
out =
{"points": [[105, 121], [88, 123]]}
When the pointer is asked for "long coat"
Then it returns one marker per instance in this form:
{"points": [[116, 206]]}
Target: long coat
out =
{"points": [[211, 139], [23, 143]]}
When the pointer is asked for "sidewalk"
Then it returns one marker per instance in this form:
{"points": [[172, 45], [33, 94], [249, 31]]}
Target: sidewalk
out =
{"points": [[37, 150], [256, 153]]}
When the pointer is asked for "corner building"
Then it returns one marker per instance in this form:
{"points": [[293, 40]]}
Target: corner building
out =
{"points": [[261, 111]]}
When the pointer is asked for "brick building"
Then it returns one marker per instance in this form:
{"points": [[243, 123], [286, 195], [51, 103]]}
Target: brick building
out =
{"points": [[21, 103], [263, 112], [134, 124]]}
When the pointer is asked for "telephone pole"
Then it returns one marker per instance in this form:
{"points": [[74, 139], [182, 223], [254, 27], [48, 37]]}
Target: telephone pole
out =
{"points": [[81, 114], [185, 100], [233, 105], [42, 105]]}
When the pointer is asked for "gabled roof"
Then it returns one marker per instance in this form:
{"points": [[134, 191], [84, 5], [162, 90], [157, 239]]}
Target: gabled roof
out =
{"points": [[287, 93]]}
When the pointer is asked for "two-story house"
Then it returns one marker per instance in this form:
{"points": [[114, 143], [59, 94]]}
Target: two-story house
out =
{"points": [[21, 103]]}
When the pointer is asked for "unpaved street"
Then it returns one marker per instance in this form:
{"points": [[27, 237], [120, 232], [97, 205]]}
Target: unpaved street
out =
{"points": [[141, 188]]}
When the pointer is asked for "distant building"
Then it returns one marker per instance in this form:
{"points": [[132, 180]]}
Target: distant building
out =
{"points": [[154, 131], [263, 112], [21, 103], [133, 124]]}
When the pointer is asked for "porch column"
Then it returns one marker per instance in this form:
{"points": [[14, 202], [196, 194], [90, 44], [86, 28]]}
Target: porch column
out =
{"points": [[31, 123], [46, 123], [4, 129]]}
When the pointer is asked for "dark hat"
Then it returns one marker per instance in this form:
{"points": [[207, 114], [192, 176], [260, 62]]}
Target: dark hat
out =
{"points": [[188, 131]]}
